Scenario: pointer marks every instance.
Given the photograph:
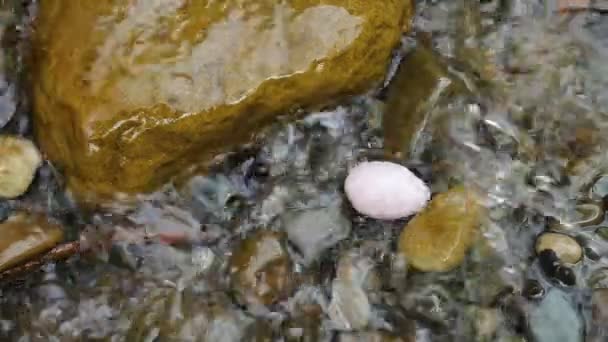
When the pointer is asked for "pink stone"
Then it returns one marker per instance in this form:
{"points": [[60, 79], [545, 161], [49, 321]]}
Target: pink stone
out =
{"points": [[386, 191]]}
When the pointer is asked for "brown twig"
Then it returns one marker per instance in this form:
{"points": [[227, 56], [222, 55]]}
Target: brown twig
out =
{"points": [[59, 253]]}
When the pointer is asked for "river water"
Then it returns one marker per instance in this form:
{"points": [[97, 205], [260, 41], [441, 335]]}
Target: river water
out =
{"points": [[526, 131]]}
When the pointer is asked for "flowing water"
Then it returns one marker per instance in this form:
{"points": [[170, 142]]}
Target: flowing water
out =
{"points": [[525, 131]]}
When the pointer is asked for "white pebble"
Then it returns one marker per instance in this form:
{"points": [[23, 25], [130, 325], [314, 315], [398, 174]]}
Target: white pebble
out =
{"points": [[19, 160], [386, 191]]}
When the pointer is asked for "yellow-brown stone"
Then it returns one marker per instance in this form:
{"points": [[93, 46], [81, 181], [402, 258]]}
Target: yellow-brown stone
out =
{"points": [[129, 93], [23, 236], [438, 238]]}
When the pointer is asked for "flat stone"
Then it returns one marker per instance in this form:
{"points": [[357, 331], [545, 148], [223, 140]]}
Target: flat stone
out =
{"points": [[18, 164], [149, 90], [24, 236], [565, 247]]}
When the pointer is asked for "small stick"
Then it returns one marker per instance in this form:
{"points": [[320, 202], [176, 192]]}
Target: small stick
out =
{"points": [[59, 253]]}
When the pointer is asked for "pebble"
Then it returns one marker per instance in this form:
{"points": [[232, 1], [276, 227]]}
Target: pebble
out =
{"points": [[260, 268], [565, 247], [438, 238], [602, 232], [19, 160], [24, 236], [586, 214], [385, 190], [556, 320], [314, 231]]}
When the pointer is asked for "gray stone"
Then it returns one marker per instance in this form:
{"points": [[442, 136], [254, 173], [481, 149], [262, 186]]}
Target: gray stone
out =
{"points": [[314, 231], [556, 320]]}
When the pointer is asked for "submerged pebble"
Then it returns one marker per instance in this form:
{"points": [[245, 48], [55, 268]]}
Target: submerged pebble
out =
{"points": [[585, 215], [438, 238], [386, 191], [19, 160], [566, 248]]}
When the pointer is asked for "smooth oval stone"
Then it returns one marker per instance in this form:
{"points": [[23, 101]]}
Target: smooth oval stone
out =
{"points": [[438, 238], [386, 191], [260, 268], [149, 89], [586, 214], [19, 160], [566, 248], [24, 236]]}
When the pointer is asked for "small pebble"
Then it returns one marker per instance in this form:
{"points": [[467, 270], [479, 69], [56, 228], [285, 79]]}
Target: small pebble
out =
{"points": [[566, 248], [19, 160], [602, 232], [385, 191]]}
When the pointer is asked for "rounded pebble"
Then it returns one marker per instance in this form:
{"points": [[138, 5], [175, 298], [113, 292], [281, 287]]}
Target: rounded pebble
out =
{"points": [[385, 191], [19, 160], [566, 248]]}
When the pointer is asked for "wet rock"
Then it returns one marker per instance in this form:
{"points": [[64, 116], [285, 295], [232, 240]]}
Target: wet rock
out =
{"points": [[584, 215], [385, 190], [19, 160], [486, 323], [24, 236], [314, 231], [260, 268], [438, 238], [159, 87], [566, 248], [556, 320], [598, 279], [552, 267], [350, 308], [421, 83]]}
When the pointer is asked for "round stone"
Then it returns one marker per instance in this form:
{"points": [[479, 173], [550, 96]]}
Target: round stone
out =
{"points": [[566, 248], [386, 191], [19, 160]]}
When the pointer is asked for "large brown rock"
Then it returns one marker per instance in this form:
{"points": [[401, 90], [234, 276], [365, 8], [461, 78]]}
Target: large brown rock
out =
{"points": [[130, 93]]}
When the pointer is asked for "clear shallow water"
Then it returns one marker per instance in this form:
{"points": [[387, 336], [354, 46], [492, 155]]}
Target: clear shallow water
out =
{"points": [[527, 134]]}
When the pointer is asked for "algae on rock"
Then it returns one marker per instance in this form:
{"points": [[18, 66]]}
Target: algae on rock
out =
{"points": [[128, 94]]}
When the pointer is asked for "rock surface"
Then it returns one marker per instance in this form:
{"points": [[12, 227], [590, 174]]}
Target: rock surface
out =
{"points": [[385, 191], [19, 160], [148, 90], [25, 236], [438, 238]]}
